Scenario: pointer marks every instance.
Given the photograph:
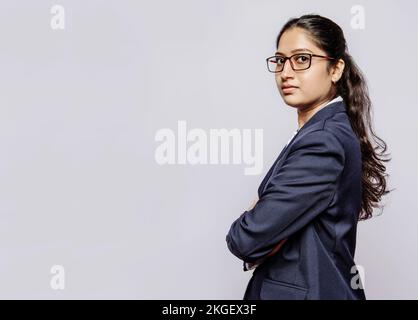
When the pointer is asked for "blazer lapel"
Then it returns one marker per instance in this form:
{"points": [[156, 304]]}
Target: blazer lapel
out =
{"points": [[269, 173], [322, 114]]}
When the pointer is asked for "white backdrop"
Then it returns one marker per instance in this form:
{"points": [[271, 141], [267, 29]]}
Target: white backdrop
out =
{"points": [[94, 92]]}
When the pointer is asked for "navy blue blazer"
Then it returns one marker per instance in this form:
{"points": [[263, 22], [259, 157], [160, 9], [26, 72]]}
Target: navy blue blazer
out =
{"points": [[311, 196]]}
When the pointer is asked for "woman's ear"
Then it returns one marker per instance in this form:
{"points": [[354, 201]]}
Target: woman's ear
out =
{"points": [[338, 71]]}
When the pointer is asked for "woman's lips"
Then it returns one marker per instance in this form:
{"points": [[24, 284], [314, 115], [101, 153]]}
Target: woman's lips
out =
{"points": [[289, 90]]}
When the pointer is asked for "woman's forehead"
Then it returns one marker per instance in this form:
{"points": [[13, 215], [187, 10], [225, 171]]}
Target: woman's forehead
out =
{"points": [[295, 40]]}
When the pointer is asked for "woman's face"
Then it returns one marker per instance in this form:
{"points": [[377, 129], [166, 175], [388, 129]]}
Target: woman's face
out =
{"points": [[313, 85]]}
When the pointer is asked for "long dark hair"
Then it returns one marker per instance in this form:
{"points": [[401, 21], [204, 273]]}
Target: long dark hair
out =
{"points": [[352, 87]]}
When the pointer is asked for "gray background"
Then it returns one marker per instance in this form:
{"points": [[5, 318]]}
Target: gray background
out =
{"points": [[80, 107]]}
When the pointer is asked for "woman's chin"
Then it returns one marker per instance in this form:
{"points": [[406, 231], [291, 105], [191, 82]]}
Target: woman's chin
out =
{"points": [[292, 100]]}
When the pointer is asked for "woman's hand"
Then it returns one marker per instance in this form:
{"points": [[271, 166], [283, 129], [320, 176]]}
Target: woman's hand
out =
{"points": [[276, 248], [270, 254], [253, 204]]}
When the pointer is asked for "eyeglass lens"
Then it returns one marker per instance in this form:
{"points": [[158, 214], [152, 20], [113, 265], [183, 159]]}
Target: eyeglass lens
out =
{"points": [[299, 61]]}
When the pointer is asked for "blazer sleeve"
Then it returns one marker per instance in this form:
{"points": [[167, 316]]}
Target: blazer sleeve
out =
{"points": [[298, 192]]}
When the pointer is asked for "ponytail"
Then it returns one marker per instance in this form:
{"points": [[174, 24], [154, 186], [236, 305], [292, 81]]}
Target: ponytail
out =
{"points": [[353, 89]]}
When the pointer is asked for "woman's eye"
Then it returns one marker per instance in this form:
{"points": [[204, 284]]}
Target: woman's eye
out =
{"points": [[302, 59], [279, 60]]}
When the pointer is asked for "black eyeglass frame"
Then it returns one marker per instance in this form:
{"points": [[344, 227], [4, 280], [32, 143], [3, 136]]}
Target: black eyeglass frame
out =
{"points": [[291, 64]]}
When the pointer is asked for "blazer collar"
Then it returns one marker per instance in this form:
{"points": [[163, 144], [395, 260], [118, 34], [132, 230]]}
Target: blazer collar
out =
{"points": [[325, 113]]}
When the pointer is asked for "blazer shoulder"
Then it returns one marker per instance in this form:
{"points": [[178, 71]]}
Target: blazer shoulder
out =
{"points": [[319, 137], [340, 126], [321, 146]]}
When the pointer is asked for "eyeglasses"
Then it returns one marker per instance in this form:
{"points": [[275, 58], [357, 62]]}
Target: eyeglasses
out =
{"points": [[298, 61]]}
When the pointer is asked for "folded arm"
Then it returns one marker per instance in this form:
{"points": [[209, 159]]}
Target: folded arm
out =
{"points": [[302, 188]]}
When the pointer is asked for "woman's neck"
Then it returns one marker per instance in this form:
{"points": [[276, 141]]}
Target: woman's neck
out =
{"points": [[306, 113]]}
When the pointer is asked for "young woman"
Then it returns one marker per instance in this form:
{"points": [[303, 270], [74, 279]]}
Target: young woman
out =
{"points": [[300, 236]]}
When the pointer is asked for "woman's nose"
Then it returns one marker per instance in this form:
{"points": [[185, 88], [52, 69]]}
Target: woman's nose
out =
{"points": [[287, 69]]}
